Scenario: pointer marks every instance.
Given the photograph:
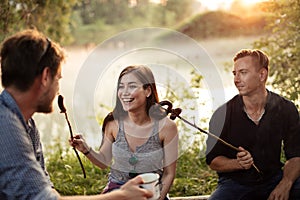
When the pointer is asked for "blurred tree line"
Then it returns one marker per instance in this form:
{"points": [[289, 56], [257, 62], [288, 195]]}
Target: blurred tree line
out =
{"points": [[66, 20], [215, 24], [80, 22], [98, 20], [122, 11]]}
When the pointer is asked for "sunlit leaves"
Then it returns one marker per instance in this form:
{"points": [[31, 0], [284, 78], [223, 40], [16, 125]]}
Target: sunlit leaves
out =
{"points": [[50, 17], [283, 47]]}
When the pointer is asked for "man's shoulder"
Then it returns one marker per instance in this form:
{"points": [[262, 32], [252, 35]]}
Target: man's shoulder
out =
{"points": [[8, 120], [221, 111], [8, 107], [236, 98], [6, 112], [278, 101], [231, 102]]}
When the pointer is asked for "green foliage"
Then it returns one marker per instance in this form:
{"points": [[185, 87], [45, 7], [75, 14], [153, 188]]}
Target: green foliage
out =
{"points": [[193, 176], [50, 17], [282, 44], [181, 8], [111, 12], [221, 24], [67, 176]]}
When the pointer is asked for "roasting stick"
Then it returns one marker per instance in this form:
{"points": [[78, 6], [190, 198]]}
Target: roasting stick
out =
{"points": [[176, 113], [64, 110], [217, 138]]}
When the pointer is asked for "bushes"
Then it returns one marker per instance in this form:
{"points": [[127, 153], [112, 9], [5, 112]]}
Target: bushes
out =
{"points": [[193, 176], [67, 176]]}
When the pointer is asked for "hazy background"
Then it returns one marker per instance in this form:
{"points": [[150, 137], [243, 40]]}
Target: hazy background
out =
{"points": [[219, 27]]}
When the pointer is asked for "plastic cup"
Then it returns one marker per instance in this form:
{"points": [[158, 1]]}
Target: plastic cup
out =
{"points": [[151, 183]]}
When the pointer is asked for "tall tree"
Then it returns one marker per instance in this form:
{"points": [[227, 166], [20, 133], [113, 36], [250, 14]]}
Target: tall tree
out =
{"points": [[283, 47], [181, 8], [109, 11], [52, 17]]}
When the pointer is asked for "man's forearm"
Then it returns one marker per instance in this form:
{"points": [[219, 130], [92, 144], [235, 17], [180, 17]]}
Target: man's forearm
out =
{"points": [[224, 164], [291, 170]]}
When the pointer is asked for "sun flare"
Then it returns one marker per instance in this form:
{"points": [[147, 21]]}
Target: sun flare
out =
{"points": [[251, 2], [225, 4]]}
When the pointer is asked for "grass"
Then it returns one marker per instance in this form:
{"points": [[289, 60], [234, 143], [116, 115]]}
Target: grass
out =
{"points": [[193, 176]]}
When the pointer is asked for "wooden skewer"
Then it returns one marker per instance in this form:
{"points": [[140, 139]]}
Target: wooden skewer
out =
{"points": [[176, 113], [217, 138], [64, 110]]}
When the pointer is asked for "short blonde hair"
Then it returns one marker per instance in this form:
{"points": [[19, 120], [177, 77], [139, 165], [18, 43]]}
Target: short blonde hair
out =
{"points": [[260, 57]]}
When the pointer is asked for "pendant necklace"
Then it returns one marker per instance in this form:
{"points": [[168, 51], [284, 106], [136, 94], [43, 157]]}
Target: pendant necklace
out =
{"points": [[133, 160], [258, 119]]}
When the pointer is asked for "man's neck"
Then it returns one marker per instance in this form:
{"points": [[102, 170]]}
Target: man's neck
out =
{"points": [[24, 100], [256, 101]]}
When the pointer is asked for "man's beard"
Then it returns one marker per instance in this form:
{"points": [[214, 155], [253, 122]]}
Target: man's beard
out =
{"points": [[45, 108], [45, 105]]}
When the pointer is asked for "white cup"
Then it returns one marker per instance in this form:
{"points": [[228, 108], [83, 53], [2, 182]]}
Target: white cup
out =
{"points": [[151, 183]]}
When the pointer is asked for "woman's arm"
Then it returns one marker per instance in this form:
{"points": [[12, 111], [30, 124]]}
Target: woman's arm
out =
{"points": [[102, 158], [167, 180], [169, 137]]}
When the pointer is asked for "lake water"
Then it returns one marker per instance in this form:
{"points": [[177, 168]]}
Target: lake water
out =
{"points": [[90, 75]]}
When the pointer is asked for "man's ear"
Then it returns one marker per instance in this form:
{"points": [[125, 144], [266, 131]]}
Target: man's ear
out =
{"points": [[263, 74], [45, 76]]}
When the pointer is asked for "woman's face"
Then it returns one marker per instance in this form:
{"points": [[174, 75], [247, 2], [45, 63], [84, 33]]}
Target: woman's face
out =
{"points": [[132, 94]]}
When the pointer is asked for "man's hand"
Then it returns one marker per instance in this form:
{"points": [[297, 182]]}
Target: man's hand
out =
{"points": [[244, 158], [281, 191], [291, 172], [132, 190]]}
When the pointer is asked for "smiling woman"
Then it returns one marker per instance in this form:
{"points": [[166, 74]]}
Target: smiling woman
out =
{"points": [[135, 138]]}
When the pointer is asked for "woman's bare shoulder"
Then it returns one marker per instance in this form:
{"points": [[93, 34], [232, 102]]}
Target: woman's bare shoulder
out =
{"points": [[168, 127], [112, 128]]}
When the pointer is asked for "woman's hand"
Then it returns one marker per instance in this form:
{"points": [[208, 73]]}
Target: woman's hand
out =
{"points": [[79, 143]]}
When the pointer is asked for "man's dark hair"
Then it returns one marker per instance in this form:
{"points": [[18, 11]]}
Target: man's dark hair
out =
{"points": [[24, 57]]}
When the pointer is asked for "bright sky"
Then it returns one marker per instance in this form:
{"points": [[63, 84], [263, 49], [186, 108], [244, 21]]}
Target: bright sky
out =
{"points": [[215, 4]]}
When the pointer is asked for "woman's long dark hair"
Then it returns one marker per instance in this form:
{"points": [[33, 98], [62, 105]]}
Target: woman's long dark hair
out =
{"points": [[143, 74]]}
